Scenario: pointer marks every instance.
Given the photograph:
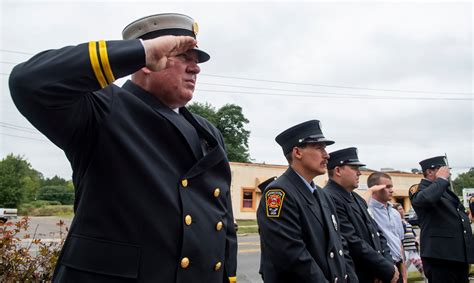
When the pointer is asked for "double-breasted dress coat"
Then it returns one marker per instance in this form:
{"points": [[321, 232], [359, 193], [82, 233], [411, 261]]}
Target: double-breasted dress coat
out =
{"points": [[152, 198]]}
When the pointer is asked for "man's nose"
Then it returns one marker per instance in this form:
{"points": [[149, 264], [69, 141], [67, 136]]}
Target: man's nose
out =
{"points": [[194, 68]]}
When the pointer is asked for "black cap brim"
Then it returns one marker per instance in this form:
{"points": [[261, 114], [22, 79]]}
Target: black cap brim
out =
{"points": [[357, 163], [320, 140], [202, 56]]}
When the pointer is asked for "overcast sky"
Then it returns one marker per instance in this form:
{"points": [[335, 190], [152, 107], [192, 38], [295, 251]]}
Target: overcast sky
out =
{"points": [[394, 79]]}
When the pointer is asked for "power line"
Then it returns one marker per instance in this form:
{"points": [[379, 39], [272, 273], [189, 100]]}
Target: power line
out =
{"points": [[287, 82], [28, 138], [347, 96], [291, 90], [335, 86], [6, 62], [21, 130], [21, 127], [14, 51]]}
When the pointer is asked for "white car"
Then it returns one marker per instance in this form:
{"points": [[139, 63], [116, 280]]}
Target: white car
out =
{"points": [[7, 214]]}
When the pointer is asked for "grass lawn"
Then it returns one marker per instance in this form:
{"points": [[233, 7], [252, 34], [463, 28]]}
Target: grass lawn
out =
{"points": [[414, 276], [247, 226]]}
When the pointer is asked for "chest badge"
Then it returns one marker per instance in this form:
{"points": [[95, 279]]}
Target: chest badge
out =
{"points": [[334, 221], [414, 189], [274, 202]]}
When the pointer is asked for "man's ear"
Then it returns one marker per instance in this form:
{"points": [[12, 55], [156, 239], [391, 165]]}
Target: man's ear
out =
{"points": [[337, 171], [296, 153]]}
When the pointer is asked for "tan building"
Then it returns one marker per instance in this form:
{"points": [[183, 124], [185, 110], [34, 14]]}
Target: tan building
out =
{"points": [[246, 177]]}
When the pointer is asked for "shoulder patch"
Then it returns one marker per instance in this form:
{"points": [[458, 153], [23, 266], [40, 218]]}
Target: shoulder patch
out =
{"points": [[274, 202], [414, 188]]}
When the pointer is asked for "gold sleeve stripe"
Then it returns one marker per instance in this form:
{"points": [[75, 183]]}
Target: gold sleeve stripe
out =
{"points": [[104, 59], [95, 64], [232, 279]]}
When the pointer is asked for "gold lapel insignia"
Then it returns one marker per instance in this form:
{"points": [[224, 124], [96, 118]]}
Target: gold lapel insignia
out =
{"points": [[414, 189]]}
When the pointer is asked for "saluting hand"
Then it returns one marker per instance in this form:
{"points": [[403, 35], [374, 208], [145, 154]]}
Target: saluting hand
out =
{"points": [[443, 172], [159, 49], [376, 188]]}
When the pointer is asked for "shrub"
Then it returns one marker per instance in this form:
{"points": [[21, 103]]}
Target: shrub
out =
{"points": [[45, 208], [26, 258]]}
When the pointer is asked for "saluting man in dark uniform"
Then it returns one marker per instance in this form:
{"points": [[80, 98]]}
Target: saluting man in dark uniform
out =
{"points": [[367, 244], [299, 229], [152, 198], [446, 240]]}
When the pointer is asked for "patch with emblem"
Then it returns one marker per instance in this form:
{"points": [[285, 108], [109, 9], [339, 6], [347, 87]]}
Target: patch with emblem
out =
{"points": [[414, 189], [274, 202]]}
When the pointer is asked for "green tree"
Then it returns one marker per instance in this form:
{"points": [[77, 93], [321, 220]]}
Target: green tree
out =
{"points": [[205, 110], [464, 180], [231, 123], [55, 181], [61, 193], [19, 182], [230, 120]]}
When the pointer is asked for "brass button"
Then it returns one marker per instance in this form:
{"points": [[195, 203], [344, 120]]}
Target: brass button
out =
{"points": [[331, 255], [188, 219], [217, 192], [184, 183], [185, 262], [219, 226], [217, 266]]}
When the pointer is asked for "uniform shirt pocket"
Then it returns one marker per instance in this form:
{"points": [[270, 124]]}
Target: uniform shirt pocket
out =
{"points": [[442, 233], [101, 256]]}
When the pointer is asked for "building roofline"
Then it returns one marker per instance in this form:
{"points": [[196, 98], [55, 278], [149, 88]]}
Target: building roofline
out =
{"points": [[364, 170]]}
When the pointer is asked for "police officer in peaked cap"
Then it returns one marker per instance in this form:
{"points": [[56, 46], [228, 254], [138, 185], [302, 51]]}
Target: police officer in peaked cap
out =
{"points": [[299, 229], [446, 241], [366, 242], [151, 179]]}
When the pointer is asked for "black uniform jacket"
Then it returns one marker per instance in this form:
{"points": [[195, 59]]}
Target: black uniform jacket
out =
{"points": [[303, 244], [149, 207], [367, 244], [445, 228]]}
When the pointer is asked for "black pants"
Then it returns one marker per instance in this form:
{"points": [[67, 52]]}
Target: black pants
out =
{"points": [[445, 271]]}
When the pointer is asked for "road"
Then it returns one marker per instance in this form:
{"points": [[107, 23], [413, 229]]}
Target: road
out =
{"points": [[46, 228]]}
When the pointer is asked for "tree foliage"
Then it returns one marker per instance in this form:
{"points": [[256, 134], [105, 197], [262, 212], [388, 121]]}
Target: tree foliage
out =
{"points": [[464, 180], [230, 120], [55, 181], [61, 193], [19, 182]]}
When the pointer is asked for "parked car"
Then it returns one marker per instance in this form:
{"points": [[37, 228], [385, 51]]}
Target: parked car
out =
{"points": [[7, 214]]}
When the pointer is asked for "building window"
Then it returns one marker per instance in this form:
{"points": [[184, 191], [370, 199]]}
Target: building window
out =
{"points": [[248, 200]]}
